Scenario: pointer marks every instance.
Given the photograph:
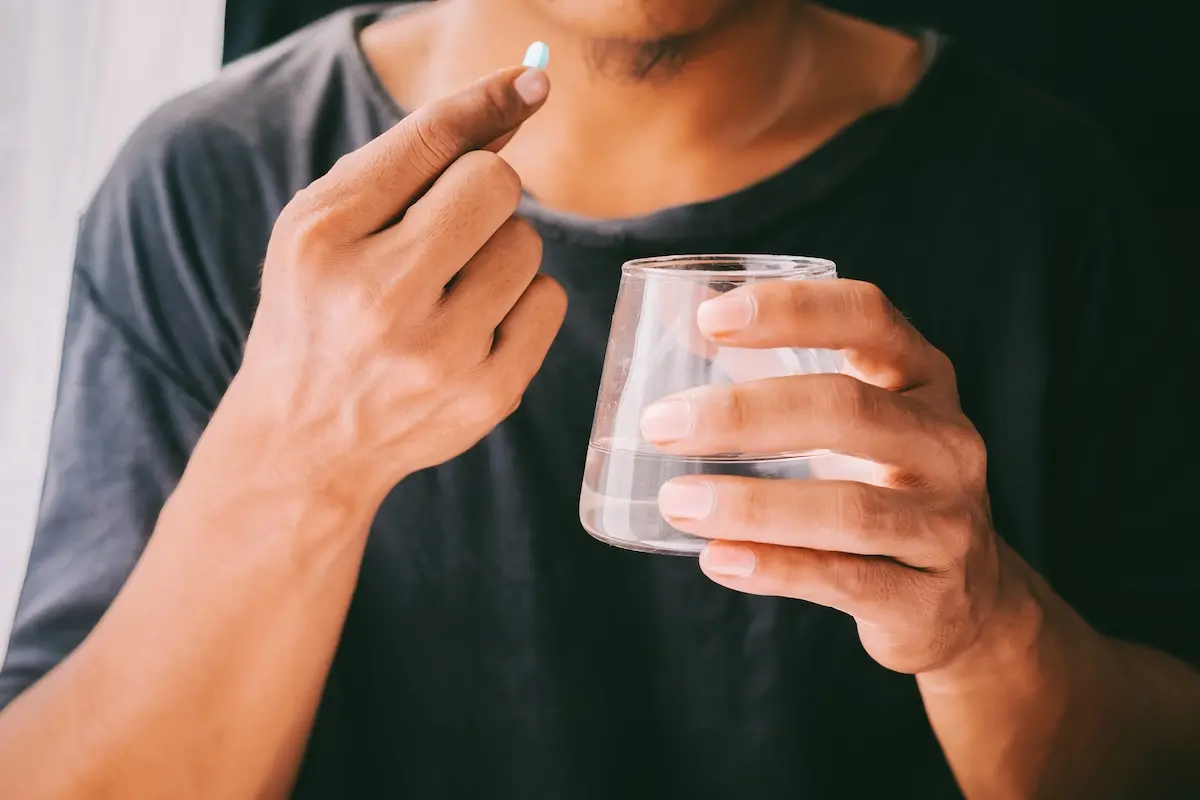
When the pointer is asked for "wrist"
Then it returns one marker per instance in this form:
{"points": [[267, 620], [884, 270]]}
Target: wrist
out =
{"points": [[1011, 642], [248, 449]]}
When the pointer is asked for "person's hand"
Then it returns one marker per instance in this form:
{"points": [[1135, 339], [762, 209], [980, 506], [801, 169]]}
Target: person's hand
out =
{"points": [[402, 314], [908, 550]]}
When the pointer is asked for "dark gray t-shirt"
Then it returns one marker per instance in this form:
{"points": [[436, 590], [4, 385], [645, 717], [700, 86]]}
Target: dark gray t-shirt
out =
{"points": [[493, 649]]}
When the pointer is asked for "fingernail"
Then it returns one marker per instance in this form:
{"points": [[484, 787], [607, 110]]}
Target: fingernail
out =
{"points": [[726, 314], [686, 499], [668, 421], [729, 560], [532, 85]]}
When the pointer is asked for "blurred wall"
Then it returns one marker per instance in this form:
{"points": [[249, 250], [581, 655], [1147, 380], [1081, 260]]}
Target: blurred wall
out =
{"points": [[75, 77]]}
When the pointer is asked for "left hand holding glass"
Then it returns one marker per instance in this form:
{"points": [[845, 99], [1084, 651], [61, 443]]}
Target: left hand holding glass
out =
{"points": [[907, 548]]}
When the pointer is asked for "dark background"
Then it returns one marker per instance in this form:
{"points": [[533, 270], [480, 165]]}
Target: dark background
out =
{"points": [[1126, 65]]}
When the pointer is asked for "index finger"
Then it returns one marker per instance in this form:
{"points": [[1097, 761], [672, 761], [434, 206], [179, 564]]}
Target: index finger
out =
{"points": [[370, 187], [881, 346]]}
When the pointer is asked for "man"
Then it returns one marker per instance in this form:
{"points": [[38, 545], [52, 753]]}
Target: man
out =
{"points": [[477, 642]]}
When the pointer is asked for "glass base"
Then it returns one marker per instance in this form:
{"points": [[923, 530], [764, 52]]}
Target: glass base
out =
{"points": [[687, 546], [618, 503]]}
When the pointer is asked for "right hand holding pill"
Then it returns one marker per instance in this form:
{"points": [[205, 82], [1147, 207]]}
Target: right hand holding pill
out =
{"points": [[381, 347]]}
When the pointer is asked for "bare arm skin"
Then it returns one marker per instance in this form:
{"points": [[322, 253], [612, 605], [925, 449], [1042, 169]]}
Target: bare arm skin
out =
{"points": [[1050, 708]]}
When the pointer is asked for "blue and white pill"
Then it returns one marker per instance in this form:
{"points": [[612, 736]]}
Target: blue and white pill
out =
{"points": [[537, 56]]}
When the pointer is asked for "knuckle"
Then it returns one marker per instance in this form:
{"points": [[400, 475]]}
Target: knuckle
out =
{"points": [[492, 173], [428, 373], [368, 305], [549, 295], [347, 162], [302, 203], [970, 453], [736, 409], [498, 104], [308, 225], [514, 406], [432, 144], [416, 245], [857, 508], [790, 571], [752, 504], [488, 404], [870, 304], [848, 398], [943, 367], [850, 575], [957, 533], [311, 240], [794, 299], [976, 449], [524, 242]]}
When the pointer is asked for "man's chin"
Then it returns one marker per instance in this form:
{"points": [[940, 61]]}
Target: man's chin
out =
{"points": [[636, 20]]}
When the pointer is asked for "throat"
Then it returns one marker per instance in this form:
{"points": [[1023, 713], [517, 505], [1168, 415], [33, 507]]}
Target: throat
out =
{"points": [[632, 174]]}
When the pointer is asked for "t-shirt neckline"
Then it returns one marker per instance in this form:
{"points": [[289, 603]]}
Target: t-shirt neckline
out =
{"points": [[759, 204]]}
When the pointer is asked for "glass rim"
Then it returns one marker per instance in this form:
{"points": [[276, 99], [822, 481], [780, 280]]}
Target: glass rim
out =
{"points": [[758, 265]]}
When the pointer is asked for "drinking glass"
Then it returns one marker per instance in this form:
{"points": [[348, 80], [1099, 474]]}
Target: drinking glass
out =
{"points": [[656, 350]]}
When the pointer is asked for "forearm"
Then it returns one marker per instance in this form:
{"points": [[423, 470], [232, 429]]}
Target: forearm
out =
{"points": [[203, 677], [1050, 708]]}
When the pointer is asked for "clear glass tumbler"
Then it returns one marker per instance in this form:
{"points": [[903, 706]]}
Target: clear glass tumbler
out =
{"points": [[656, 350]]}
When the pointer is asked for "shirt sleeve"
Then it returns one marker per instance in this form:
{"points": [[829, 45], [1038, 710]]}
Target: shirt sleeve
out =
{"points": [[1123, 469], [152, 339], [120, 437]]}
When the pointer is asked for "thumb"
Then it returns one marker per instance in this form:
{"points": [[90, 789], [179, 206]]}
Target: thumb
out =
{"points": [[372, 186]]}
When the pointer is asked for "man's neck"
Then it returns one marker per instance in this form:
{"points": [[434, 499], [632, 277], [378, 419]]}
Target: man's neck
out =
{"points": [[723, 107]]}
